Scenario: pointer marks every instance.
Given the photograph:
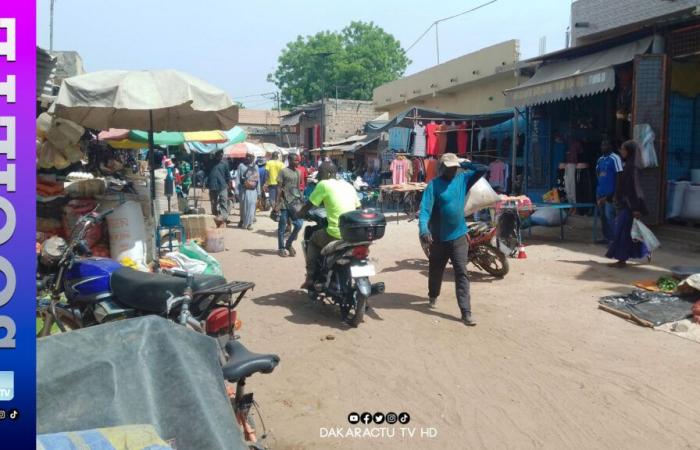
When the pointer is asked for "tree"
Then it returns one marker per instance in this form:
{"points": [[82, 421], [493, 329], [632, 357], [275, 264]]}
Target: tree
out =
{"points": [[353, 61]]}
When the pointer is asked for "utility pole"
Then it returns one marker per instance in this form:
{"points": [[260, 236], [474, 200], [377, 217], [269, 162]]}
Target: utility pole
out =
{"points": [[279, 115], [437, 42], [51, 27]]}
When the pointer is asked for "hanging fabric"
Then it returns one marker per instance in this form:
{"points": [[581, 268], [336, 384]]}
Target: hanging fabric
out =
{"points": [[419, 140]]}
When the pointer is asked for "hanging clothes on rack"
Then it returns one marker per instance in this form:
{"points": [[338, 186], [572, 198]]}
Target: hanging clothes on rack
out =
{"points": [[431, 139], [419, 141], [399, 139], [418, 175], [431, 169], [441, 139], [498, 175], [462, 137], [400, 170], [451, 146]]}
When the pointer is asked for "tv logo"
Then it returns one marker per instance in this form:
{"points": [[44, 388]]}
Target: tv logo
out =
{"points": [[7, 386]]}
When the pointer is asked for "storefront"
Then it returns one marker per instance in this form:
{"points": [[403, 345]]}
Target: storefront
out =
{"points": [[578, 99], [682, 169]]}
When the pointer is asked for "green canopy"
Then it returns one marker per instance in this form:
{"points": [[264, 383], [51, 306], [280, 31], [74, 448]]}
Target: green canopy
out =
{"points": [[160, 138]]}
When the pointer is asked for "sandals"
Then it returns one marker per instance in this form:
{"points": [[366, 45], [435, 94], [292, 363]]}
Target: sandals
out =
{"points": [[282, 253]]}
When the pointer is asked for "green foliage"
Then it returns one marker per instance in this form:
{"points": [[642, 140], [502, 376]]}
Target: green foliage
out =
{"points": [[355, 60]]}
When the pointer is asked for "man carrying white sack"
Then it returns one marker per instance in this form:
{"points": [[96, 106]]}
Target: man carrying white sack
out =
{"points": [[443, 229]]}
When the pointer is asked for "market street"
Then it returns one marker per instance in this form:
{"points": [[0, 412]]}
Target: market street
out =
{"points": [[543, 368]]}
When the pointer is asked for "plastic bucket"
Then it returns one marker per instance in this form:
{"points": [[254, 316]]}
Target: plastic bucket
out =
{"points": [[215, 240]]}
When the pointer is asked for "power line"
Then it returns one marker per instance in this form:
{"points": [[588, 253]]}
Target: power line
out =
{"points": [[434, 24], [262, 94]]}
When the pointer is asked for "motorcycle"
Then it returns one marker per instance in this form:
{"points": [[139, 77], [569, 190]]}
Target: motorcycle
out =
{"points": [[343, 276], [482, 253], [100, 290]]}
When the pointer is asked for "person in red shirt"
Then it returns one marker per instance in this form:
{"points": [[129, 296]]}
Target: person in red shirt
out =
{"points": [[303, 175]]}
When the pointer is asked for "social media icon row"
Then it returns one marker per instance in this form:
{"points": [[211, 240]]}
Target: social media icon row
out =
{"points": [[12, 414], [379, 418]]}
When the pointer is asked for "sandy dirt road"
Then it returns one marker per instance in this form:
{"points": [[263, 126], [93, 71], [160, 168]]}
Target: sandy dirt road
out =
{"points": [[544, 368]]}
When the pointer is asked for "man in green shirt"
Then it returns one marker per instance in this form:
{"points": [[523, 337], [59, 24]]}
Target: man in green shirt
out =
{"points": [[337, 197]]}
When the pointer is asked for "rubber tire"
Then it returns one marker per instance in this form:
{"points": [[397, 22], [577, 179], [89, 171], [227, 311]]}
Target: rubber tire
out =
{"points": [[67, 319], [501, 257], [360, 307]]}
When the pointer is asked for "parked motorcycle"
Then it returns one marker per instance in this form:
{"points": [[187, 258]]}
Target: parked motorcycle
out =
{"points": [[343, 275], [482, 253], [100, 290]]}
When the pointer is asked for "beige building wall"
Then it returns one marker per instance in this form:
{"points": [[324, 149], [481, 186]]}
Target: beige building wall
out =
{"points": [[481, 98], [471, 84]]}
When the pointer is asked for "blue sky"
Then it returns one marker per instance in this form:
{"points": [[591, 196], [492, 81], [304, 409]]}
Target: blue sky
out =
{"points": [[234, 44]]}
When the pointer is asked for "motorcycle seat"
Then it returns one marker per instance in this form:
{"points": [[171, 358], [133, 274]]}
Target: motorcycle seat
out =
{"points": [[244, 363], [336, 246], [149, 291]]}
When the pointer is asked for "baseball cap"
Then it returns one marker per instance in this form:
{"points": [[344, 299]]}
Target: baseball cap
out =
{"points": [[449, 160]]}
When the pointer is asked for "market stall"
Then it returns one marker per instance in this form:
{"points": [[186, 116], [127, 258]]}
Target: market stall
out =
{"points": [[156, 101]]}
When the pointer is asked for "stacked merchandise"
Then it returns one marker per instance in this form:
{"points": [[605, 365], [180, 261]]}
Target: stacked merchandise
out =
{"points": [[50, 200]]}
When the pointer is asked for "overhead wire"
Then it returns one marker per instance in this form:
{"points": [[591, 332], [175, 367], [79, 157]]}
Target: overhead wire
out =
{"points": [[447, 18]]}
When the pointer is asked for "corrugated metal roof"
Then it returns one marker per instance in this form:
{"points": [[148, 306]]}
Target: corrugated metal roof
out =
{"points": [[45, 73]]}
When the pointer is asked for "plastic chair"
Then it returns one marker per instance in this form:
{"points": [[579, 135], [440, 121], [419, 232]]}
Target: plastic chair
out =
{"points": [[169, 222]]}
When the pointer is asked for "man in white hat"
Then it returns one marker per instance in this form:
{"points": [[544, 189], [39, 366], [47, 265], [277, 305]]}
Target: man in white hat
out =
{"points": [[443, 229]]}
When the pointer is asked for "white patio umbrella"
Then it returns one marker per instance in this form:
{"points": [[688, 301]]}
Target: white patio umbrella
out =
{"points": [[162, 100]]}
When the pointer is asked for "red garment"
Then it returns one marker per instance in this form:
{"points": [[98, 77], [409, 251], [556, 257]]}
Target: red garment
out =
{"points": [[442, 139], [462, 139], [431, 166], [432, 139], [417, 169], [303, 174]]}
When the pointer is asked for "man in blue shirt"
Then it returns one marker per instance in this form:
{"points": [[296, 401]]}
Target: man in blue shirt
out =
{"points": [[607, 168], [443, 228]]}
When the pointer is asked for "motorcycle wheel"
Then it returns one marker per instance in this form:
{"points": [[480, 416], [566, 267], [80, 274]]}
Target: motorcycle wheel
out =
{"points": [[355, 315], [50, 327], [491, 260]]}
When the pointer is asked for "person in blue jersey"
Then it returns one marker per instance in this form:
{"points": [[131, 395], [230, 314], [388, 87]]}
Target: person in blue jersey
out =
{"points": [[607, 168], [443, 228]]}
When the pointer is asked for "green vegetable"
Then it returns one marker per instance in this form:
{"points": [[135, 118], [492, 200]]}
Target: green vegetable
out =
{"points": [[667, 284]]}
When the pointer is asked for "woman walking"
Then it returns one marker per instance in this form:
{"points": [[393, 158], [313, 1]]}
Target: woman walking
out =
{"points": [[629, 203], [249, 179]]}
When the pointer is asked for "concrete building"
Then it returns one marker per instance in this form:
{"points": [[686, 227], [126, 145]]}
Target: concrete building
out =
{"points": [[309, 125], [632, 66], [262, 125], [596, 20], [471, 84]]}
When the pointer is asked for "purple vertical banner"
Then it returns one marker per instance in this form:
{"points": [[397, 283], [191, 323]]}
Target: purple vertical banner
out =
{"points": [[17, 224]]}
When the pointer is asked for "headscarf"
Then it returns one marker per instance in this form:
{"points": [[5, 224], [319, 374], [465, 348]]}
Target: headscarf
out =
{"points": [[628, 192]]}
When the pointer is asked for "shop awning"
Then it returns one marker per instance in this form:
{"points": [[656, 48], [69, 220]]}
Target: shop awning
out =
{"points": [[291, 121], [586, 75], [351, 144]]}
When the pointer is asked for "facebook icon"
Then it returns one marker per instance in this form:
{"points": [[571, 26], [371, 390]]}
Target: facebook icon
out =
{"points": [[7, 386]]}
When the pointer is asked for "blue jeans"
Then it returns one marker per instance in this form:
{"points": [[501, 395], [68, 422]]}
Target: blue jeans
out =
{"points": [[272, 190], [607, 220], [282, 226]]}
